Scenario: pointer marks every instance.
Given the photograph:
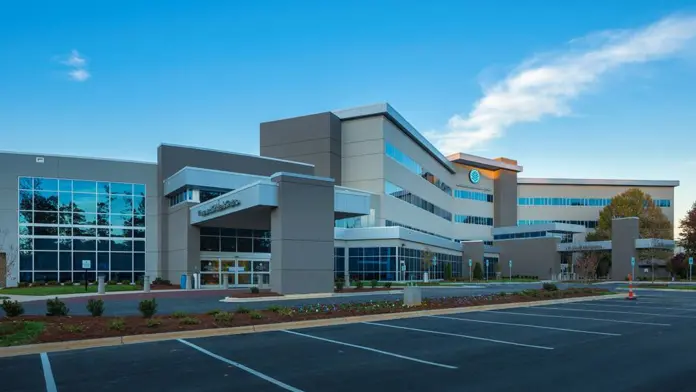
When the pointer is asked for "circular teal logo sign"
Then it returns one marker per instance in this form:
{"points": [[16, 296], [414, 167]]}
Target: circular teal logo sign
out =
{"points": [[474, 176]]}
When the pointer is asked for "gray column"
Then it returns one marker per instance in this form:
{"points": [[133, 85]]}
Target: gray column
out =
{"points": [[302, 236], [505, 199], [530, 256], [624, 233], [472, 250]]}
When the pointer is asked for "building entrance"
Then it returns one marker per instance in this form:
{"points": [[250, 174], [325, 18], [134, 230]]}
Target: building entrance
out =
{"points": [[237, 271]]}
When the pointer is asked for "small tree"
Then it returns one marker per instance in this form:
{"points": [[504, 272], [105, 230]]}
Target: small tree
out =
{"points": [[448, 271], [586, 265], [478, 271], [427, 259], [687, 239], [11, 254], [678, 265]]}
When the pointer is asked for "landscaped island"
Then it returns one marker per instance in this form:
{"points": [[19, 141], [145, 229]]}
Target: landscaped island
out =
{"points": [[58, 325]]}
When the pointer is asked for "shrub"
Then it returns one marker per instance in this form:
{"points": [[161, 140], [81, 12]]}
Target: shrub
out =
{"points": [[502, 294], [161, 281], [151, 323], [179, 314], [359, 284], [23, 284], [125, 281], [550, 287], [112, 282], [339, 285], [148, 307], [254, 290], [213, 312], [52, 283], [242, 310], [95, 307], [273, 308], [56, 307], [74, 328], [478, 271], [388, 285], [373, 283], [448, 271], [223, 317], [12, 308], [189, 321], [117, 324], [83, 282], [285, 311], [256, 315]]}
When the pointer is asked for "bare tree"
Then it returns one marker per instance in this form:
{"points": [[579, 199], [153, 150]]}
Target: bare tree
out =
{"points": [[586, 265], [11, 253], [427, 259]]}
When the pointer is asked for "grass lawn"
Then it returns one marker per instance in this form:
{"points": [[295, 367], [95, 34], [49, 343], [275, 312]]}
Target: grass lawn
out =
{"points": [[664, 286], [19, 332], [56, 290]]}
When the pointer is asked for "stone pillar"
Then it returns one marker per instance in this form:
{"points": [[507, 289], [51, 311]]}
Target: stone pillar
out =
{"points": [[624, 233], [302, 235], [472, 250], [101, 286]]}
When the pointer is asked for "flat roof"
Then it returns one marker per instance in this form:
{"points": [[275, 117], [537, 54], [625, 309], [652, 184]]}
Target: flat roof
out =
{"points": [[484, 163], [600, 182], [384, 109], [235, 153]]}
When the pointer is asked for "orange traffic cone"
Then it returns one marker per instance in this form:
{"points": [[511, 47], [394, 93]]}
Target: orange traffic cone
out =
{"points": [[630, 288]]}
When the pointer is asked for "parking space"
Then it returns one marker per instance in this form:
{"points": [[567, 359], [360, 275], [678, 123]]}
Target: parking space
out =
{"points": [[593, 345]]}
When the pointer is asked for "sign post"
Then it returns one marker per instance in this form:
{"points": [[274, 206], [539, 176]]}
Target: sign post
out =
{"points": [[487, 262], [691, 264], [633, 267], [86, 264], [510, 265], [470, 275]]}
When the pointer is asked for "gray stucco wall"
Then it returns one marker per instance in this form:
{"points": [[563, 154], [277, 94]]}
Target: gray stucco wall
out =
{"points": [[183, 245], [624, 233], [533, 256], [314, 139], [170, 160], [13, 166], [505, 199], [302, 236], [472, 250]]}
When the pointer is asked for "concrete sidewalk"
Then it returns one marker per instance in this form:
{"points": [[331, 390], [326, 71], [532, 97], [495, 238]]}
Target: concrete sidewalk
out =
{"points": [[310, 296]]}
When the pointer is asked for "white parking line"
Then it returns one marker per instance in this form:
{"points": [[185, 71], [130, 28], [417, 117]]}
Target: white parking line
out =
{"points": [[616, 311], [636, 305], [528, 326], [242, 367], [370, 349], [48, 373], [460, 336], [686, 305], [583, 318]]}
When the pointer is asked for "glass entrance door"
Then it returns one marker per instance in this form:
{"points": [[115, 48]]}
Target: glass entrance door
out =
{"points": [[238, 272]]}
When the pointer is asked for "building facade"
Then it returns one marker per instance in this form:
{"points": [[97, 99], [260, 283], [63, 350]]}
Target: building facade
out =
{"points": [[349, 194]]}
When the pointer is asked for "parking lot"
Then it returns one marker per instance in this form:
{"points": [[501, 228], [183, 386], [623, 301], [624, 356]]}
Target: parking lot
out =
{"points": [[609, 345]]}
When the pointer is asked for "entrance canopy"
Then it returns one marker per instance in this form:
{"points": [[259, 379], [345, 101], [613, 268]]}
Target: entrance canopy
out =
{"points": [[641, 243]]}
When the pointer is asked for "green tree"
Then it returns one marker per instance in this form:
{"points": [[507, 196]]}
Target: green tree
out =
{"points": [[652, 221], [427, 257], [687, 239], [478, 271]]}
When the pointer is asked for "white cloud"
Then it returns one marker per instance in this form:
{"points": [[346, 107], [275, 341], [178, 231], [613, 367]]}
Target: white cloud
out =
{"points": [[544, 85], [78, 66], [79, 75], [75, 59]]}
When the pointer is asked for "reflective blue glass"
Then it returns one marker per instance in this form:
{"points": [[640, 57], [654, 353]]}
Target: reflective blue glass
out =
{"points": [[578, 202], [473, 195], [474, 220], [413, 166], [404, 195]]}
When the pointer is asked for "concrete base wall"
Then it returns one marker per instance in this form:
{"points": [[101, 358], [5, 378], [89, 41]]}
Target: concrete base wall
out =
{"points": [[624, 233], [533, 256], [474, 251]]}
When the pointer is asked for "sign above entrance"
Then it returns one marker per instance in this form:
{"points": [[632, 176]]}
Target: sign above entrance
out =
{"points": [[219, 206], [584, 246]]}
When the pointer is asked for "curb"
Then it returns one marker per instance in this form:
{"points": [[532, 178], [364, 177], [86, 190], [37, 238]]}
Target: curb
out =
{"points": [[309, 296], [203, 333]]}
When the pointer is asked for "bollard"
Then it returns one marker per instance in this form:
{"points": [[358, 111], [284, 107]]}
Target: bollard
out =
{"points": [[146, 284], [225, 281], [188, 282], [101, 287]]}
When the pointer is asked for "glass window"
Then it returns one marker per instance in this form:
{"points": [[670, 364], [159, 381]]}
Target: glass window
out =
{"points": [[65, 185], [121, 245], [118, 220], [85, 186], [103, 261], [262, 245], [84, 244], [210, 244], [228, 244], [121, 261], [139, 261], [26, 200], [45, 230], [46, 260], [45, 184], [244, 245], [139, 189], [122, 205], [65, 261], [85, 202], [26, 183], [121, 189], [45, 244], [26, 260], [79, 257], [139, 246]]}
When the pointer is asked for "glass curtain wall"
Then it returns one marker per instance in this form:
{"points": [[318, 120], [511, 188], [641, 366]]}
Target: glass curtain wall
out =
{"points": [[75, 230], [380, 263]]}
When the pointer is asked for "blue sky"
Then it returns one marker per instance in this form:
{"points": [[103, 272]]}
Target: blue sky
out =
{"points": [[115, 79]]}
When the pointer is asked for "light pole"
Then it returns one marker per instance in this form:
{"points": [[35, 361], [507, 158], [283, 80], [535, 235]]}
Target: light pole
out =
{"points": [[510, 265], [470, 275]]}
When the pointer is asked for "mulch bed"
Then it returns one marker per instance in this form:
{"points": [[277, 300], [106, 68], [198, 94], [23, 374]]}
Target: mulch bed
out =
{"points": [[59, 329]]}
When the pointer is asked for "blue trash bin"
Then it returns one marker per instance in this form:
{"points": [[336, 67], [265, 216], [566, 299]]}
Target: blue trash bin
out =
{"points": [[183, 281]]}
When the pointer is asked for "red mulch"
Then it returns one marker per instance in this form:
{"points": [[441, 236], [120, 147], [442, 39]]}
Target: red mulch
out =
{"points": [[86, 327]]}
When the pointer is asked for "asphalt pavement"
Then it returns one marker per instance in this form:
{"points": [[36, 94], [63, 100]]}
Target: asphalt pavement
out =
{"points": [[610, 345]]}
